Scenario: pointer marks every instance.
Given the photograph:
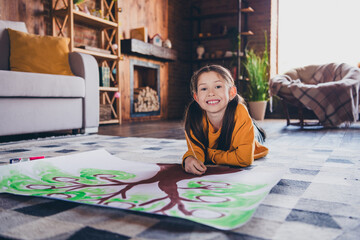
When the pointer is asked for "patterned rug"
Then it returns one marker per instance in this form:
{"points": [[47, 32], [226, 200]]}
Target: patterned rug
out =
{"points": [[318, 197]]}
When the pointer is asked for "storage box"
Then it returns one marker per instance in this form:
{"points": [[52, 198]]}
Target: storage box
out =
{"points": [[139, 33], [105, 112]]}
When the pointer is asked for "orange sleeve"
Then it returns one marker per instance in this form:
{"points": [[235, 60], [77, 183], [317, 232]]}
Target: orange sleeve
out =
{"points": [[243, 146], [260, 150]]}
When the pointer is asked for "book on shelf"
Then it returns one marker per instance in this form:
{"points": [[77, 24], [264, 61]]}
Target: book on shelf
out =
{"points": [[104, 73], [95, 49]]}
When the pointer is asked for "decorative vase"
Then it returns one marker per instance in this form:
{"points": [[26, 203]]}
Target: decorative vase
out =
{"points": [[200, 50], [257, 110]]}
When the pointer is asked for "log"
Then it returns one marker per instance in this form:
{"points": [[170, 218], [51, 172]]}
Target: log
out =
{"points": [[146, 99]]}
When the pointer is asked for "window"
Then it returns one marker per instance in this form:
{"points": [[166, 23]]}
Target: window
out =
{"points": [[318, 32]]}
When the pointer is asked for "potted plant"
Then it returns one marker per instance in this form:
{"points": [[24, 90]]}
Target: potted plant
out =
{"points": [[257, 68]]}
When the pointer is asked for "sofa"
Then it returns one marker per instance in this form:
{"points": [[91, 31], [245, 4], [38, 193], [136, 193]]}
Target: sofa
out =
{"points": [[37, 102]]}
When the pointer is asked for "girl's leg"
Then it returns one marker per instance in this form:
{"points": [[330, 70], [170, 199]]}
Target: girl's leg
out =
{"points": [[260, 134]]}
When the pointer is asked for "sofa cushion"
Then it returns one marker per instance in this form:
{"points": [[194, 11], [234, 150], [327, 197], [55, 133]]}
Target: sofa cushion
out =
{"points": [[4, 41], [24, 84], [40, 54]]}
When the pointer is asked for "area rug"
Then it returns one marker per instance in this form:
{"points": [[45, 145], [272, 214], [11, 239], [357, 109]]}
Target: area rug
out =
{"points": [[318, 196]]}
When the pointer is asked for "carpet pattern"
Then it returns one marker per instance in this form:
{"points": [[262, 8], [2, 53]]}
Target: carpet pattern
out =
{"points": [[317, 198]]}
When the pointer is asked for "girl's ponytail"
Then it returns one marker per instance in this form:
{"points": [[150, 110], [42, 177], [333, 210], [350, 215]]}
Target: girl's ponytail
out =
{"points": [[194, 122]]}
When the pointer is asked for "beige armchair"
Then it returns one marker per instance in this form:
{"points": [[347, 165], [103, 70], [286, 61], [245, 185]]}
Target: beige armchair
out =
{"points": [[330, 91]]}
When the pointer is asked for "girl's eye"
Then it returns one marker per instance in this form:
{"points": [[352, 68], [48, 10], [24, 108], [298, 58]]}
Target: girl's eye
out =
{"points": [[202, 89], [219, 86]]}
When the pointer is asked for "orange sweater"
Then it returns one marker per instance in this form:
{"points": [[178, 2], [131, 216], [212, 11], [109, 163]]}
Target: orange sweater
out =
{"points": [[243, 148]]}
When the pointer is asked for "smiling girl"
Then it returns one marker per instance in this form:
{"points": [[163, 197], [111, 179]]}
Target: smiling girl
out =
{"points": [[218, 127]]}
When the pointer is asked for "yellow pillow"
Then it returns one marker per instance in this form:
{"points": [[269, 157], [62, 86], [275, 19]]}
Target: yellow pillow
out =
{"points": [[40, 54]]}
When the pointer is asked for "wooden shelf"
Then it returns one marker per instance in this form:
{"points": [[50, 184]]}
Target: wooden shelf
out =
{"points": [[65, 19], [109, 121], [147, 50], [215, 59], [215, 15], [217, 37], [208, 29], [248, 33], [96, 54], [87, 19], [210, 38], [247, 10], [109, 89], [223, 14]]}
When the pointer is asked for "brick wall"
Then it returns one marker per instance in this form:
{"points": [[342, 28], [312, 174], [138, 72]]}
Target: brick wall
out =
{"points": [[179, 71], [36, 14], [258, 22]]}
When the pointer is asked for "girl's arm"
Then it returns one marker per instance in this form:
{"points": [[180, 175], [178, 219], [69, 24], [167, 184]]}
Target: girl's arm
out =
{"points": [[242, 147], [193, 150]]}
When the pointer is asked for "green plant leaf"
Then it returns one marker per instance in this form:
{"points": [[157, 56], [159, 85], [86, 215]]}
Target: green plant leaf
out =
{"points": [[257, 67]]}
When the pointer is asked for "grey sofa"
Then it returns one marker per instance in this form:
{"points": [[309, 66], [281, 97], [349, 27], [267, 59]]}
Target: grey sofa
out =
{"points": [[36, 102]]}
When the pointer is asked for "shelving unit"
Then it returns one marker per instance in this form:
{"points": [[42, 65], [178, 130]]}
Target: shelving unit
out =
{"points": [[234, 26], [64, 19]]}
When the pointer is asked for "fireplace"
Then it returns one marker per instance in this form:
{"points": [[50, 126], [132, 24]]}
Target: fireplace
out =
{"points": [[144, 88]]}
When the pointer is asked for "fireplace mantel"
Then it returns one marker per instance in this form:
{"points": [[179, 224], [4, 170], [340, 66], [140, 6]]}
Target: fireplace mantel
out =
{"points": [[147, 50]]}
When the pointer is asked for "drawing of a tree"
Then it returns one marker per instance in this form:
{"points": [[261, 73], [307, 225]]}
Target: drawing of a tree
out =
{"points": [[178, 193]]}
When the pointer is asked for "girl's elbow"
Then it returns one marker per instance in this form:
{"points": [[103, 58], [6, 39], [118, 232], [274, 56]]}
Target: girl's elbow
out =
{"points": [[245, 162], [249, 161]]}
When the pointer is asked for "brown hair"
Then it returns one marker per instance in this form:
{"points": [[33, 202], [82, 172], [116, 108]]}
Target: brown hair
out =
{"points": [[194, 113]]}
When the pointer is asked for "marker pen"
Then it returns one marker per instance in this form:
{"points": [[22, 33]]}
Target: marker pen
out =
{"points": [[16, 160], [35, 158]]}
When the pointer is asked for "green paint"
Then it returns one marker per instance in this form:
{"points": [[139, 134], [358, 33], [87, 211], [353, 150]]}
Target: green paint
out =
{"points": [[132, 199], [235, 188], [88, 173], [84, 183], [152, 207], [238, 193], [88, 187]]}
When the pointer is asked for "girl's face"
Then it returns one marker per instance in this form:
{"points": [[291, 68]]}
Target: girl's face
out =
{"points": [[213, 94]]}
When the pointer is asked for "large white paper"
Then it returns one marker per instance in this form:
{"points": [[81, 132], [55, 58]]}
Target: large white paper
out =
{"points": [[223, 198]]}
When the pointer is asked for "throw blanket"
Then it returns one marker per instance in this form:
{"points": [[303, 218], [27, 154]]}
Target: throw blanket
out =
{"points": [[331, 91]]}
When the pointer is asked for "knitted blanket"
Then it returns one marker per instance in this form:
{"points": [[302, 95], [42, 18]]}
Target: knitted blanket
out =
{"points": [[331, 91]]}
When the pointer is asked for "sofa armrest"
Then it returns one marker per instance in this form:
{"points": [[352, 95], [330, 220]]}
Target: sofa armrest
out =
{"points": [[85, 66]]}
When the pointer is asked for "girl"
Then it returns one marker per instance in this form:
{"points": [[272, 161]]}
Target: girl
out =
{"points": [[218, 127]]}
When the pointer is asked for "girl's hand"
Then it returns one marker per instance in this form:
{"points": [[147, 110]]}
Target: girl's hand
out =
{"points": [[194, 166]]}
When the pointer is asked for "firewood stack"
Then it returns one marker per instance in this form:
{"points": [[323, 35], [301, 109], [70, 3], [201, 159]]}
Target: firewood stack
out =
{"points": [[146, 99]]}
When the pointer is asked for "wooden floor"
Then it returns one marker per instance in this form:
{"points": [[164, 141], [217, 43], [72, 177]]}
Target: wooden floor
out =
{"points": [[174, 129], [156, 129]]}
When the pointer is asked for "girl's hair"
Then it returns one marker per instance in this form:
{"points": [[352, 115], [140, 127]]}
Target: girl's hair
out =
{"points": [[194, 113]]}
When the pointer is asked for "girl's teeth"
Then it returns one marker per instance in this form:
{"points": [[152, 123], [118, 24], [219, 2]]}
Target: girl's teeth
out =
{"points": [[212, 102]]}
